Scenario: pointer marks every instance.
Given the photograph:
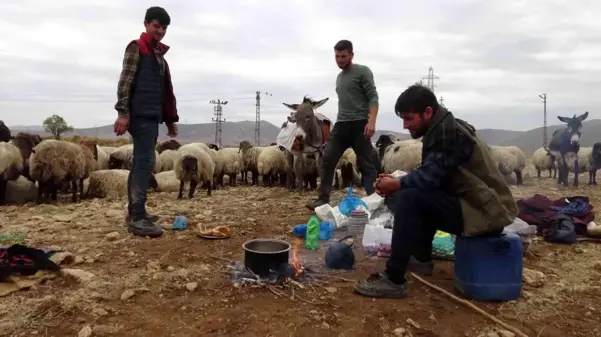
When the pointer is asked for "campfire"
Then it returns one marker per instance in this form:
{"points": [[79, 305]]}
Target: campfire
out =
{"points": [[292, 272], [290, 275]]}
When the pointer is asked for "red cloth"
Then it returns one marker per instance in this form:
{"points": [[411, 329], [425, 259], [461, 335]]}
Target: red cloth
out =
{"points": [[169, 103], [537, 209]]}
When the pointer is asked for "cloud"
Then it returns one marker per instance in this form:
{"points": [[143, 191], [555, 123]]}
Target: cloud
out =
{"points": [[493, 58]]}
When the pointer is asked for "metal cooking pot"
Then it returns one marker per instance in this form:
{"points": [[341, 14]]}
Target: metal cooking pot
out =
{"points": [[263, 255]]}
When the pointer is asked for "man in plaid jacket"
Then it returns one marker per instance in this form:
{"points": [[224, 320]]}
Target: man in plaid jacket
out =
{"points": [[145, 99]]}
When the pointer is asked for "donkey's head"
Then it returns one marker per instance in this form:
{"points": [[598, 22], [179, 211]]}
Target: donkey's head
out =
{"points": [[304, 113], [574, 127]]}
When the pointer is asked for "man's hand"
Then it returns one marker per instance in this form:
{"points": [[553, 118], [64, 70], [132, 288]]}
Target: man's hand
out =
{"points": [[370, 129], [386, 185], [172, 130], [121, 125]]}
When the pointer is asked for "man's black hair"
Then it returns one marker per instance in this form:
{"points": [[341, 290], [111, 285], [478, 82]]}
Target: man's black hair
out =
{"points": [[159, 14], [415, 99], [343, 45]]}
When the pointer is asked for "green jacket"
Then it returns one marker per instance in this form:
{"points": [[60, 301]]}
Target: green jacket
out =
{"points": [[486, 201]]}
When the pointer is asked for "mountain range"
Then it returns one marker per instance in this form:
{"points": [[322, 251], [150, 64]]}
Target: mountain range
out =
{"points": [[235, 132]]}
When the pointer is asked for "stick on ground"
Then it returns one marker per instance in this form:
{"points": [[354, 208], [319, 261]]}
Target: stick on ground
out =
{"points": [[469, 305]]}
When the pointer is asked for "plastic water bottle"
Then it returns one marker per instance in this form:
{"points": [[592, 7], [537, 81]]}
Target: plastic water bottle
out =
{"points": [[312, 236]]}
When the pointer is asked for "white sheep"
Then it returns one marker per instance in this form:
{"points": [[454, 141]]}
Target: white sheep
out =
{"points": [[121, 158], [109, 184], [21, 191], [404, 155], [218, 163], [348, 168], [168, 158], [55, 161], [230, 160], [510, 159], [543, 160], [11, 166], [249, 158], [584, 160], [102, 162], [168, 182], [194, 165], [271, 163]]}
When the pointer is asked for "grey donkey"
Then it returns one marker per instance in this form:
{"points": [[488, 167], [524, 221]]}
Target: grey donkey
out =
{"points": [[565, 143], [316, 128]]}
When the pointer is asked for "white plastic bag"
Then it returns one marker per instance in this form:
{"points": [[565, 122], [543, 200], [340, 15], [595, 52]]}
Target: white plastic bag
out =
{"points": [[525, 231], [287, 135], [374, 236]]}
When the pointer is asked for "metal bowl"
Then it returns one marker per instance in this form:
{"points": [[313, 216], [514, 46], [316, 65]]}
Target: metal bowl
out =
{"points": [[262, 256], [266, 246]]}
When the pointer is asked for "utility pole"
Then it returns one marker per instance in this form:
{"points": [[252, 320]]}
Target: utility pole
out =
{"points": [[544, 98], [218, 112], [442, 102], [430, 79], [258, 116]]}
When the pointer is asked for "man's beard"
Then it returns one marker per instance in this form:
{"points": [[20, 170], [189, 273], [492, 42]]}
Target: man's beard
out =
{"points": [[419, 133]]}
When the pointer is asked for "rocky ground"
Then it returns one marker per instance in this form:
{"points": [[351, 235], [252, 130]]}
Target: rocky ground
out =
{"points": [[177, 286]]}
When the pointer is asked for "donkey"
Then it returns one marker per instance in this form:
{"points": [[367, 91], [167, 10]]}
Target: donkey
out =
{"points": [[566, 142], [316, 128], [595, 161]]}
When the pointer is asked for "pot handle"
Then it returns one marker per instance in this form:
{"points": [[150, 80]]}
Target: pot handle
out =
{"points": [[348, 237]]}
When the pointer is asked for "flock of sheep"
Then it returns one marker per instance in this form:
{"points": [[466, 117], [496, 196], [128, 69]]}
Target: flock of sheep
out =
{"points": [[32, 169]]}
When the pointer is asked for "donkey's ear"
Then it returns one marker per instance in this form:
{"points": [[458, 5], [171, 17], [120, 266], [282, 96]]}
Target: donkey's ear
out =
{"points": [[564, 119], [317, 104], [292, 107], [583, 116]]}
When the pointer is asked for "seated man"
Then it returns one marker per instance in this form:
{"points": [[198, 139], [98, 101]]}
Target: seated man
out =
{"points": [[457, 189]]}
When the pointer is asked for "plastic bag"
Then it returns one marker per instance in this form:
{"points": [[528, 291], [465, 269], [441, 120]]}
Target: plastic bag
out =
{"points": [[350, 203], [443, 246], [525, 231], [374, 237]]}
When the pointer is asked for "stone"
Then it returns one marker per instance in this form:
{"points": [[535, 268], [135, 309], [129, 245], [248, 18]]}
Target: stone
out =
{"points": [[127, 294], [86, 331], [533, 278], [112, 236], [191, 286]]}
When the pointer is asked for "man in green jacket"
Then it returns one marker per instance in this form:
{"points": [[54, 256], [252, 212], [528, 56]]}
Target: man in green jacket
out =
{"points": [[457, 189], [355, 123]]}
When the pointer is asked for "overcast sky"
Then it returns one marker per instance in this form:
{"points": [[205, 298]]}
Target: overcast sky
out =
{"points": [[493, 57]]}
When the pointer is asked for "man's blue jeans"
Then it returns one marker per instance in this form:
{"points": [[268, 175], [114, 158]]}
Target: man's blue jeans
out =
{"points": [[144, 133]]}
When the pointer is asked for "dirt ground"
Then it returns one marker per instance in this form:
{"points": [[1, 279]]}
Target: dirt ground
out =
{"points": [[567, 302]]}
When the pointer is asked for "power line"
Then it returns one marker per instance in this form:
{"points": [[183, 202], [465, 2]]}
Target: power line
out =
{"points": [[218, 112], [543, 96], [101, 101], [258, 117], [430, 79]]}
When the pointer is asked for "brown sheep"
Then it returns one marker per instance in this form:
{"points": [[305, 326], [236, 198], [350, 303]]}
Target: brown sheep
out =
{"points": [[170, 144], [26, 142], [55, 161], [5, 134]]}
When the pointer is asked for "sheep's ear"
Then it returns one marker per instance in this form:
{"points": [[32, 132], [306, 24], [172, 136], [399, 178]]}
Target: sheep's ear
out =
{"points": [[317, 104], [292, 107]]}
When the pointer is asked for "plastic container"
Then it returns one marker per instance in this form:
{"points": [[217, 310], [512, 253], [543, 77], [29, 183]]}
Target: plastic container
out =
{"points": [[312, 236], [489, 268], [356, 224]]}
